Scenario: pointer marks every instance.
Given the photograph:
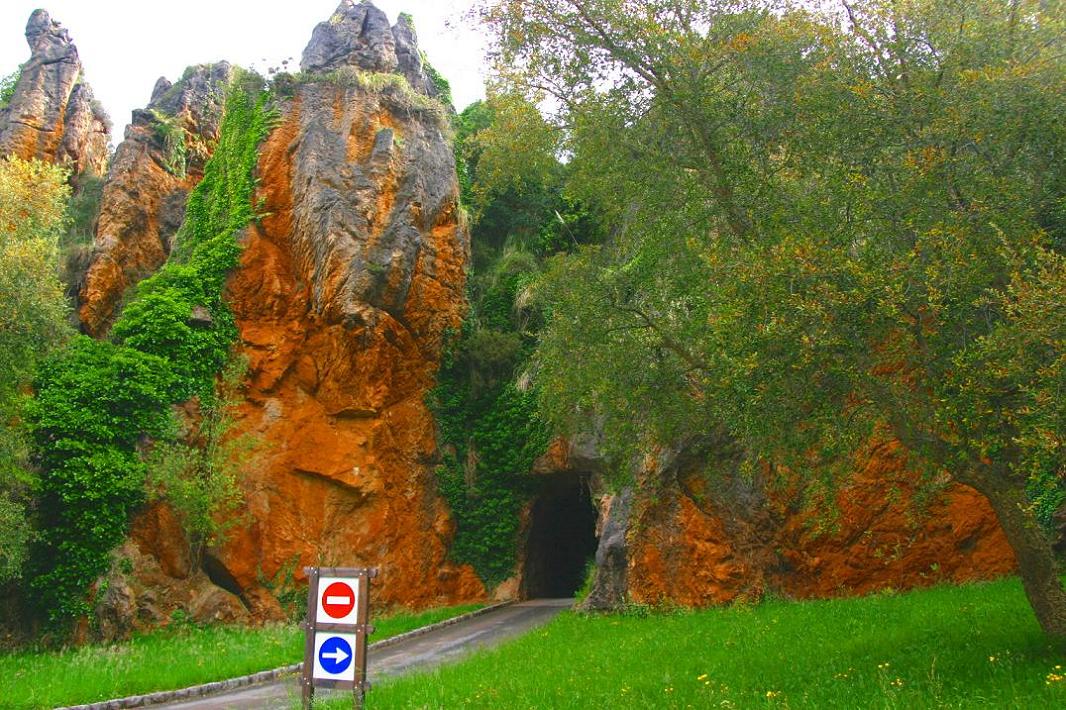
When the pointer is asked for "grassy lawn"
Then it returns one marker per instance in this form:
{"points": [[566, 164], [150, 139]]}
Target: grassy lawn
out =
{"points": [[167, 659], [957, 647]]}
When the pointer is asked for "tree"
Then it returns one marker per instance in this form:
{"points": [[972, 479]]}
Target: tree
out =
{"points": [[33, 197], [828, 226]]}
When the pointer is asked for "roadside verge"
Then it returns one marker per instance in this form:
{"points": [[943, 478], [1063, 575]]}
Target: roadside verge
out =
{"points": [[222, 686]]}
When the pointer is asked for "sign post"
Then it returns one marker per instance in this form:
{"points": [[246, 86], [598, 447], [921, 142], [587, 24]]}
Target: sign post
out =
{"points": [[337, 624]]}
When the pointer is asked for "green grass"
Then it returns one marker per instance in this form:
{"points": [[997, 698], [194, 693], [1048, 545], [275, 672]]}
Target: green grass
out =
{"points": [[976, 646], [167, 659]]}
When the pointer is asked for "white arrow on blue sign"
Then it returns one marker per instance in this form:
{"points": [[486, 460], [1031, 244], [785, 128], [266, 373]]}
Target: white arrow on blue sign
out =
{"points": [[334, 656]]}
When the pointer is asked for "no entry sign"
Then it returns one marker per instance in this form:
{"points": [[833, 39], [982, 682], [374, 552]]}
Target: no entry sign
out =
{"points": [[338, 600]]}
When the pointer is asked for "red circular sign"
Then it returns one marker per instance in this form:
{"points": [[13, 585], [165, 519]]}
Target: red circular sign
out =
{"points": [[338, 600]]}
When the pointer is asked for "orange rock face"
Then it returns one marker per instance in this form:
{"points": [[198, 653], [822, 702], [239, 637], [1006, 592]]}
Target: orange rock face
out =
{"points": [[883, 539], [143, 201], [130, 243], [340, 363], [688, 550]]}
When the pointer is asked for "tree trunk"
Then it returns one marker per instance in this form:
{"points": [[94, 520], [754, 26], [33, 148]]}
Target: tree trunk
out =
{"points": [[1032, 548]]}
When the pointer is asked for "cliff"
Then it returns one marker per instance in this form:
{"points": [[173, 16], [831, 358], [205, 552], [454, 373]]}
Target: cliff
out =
{"points": [[158, 162], [343, 296], [350, 278], [345, 289], [684, 537], [52, 114]]}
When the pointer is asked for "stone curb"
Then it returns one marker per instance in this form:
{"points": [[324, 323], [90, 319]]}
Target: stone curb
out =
{"points": [[222, 686]]}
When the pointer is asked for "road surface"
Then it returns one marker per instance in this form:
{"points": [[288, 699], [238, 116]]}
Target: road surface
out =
{"points": [[420, 653]]}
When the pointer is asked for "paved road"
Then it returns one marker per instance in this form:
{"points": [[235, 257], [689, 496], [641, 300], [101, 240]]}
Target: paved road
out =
{"points": [[420, 653]]}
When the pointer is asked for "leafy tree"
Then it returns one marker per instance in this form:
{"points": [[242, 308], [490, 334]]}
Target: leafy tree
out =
{"points": [[489, 428], [33, 313], [827, 226], [7, 86]]}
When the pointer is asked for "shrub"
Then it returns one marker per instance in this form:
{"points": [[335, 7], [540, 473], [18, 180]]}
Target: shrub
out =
{"points": [[99, 405]]}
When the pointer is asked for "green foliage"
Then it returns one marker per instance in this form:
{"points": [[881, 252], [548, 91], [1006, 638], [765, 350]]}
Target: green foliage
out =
{"points": [[7, 86], [485, 475], [171, 134], [83, 209], [444, 88], [99, 405], [489, 427], [95, 404], [32, 323], [394, 88], [76, 246], [202, 482], [974, 646]]}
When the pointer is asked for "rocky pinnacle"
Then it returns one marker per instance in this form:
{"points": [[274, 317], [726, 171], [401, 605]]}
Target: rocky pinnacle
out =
{"points": [[52, 114]]}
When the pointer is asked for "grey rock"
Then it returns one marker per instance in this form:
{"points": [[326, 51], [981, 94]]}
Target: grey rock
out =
{"points": [[52, 114], [198, 97], [409, 57], [143, 203], [360, 250], [358, 35], [200, 316], [612, 557]]}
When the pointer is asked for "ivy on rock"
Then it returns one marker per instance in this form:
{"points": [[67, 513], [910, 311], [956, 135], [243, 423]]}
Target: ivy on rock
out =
{"points": [[99, 404]]}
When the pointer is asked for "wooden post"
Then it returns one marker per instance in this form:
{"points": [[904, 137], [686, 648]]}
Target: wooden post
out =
{"points": [[360, 628], [307, 678]]}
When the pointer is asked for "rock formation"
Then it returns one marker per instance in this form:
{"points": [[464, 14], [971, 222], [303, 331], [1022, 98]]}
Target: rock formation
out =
{"points": [[345, 290], [358, 35], [144, 198], [700, 542], [342, 299], [52, 114]]}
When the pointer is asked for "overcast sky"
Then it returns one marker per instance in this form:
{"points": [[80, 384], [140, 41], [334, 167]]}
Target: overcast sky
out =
{"points": [[125, 45]]}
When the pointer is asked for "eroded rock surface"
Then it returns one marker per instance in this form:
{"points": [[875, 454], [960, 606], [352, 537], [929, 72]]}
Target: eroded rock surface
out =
{"points": [[681, 537], [52, 114], [358, 35], [144, 197], [342, 299]]}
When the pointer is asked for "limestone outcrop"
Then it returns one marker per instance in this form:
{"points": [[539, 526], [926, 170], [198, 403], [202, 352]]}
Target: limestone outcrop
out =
{"points": [[347, 286], [343, 296], [358, 35], [52, 114], [696, 541], [144, 197]]}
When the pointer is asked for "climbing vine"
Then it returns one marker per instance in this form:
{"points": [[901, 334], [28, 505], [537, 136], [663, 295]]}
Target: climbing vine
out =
{"points": [[98, 405], [490, 433]]}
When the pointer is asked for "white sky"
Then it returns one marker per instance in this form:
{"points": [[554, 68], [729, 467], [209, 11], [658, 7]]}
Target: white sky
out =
{"points": [[125, 45]]}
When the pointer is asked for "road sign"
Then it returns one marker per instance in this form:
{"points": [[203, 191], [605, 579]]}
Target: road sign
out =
{"points": [[338, 600], [338, 616], [334, 656]]}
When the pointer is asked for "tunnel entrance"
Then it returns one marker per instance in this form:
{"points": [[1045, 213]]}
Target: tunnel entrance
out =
{"points": [[561, 539]]}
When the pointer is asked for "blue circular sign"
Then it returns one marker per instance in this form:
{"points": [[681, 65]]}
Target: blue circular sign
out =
{"points": [[335, 655]]}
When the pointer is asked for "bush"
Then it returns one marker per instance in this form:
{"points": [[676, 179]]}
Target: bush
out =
{"points": [[32, 322], [7, 86], [100, 405]]}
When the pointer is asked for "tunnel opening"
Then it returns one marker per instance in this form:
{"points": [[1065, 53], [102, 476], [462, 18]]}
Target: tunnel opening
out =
{"points": [[561, 538]]}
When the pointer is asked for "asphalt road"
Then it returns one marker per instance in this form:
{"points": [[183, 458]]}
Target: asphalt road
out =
{"points": [[421, 653]]}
